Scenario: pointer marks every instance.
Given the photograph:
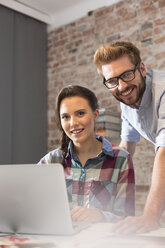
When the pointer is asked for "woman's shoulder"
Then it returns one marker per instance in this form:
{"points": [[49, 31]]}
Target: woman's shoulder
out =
{"points": [[118, 151], [123, 158], [54, 156]]}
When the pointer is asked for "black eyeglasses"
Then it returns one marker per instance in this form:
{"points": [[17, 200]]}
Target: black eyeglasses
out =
{"points": [[126, 76]]}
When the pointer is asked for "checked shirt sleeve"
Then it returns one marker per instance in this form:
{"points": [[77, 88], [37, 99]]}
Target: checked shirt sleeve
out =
{"points": [[123, 202], [54, 156]]}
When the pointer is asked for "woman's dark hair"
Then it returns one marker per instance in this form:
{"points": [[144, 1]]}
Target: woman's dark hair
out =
{"points": [[70, 91]]}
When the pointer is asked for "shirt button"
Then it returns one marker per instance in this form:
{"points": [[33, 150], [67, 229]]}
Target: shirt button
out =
{"points": [[142, 117]]}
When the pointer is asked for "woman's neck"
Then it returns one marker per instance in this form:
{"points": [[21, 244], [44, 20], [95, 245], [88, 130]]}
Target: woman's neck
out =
{"points": [[88, 150]]}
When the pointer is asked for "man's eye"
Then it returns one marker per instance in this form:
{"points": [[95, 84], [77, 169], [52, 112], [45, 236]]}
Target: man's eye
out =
{"points": [[112, 81], [81, 113], [127, 74]]}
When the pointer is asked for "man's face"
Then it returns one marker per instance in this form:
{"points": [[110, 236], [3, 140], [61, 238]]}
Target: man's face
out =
{"points": [[130, 92]]}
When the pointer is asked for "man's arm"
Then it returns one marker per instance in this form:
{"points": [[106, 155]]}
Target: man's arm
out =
{"points": [[155, 203], [128, 146]]}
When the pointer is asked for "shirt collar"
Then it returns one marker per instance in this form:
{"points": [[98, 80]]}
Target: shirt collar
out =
{"points": [[147, 96], [106, 147], [70, 149]]}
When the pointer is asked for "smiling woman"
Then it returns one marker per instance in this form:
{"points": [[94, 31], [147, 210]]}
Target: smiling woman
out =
{"points": [[77, 121], [99, 179]]}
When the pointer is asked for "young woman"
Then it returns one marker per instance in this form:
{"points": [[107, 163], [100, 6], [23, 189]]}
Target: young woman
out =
{"points": [[99, 178]]}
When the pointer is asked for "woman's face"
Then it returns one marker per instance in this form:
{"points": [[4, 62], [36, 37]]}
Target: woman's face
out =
{"points": [[77, 119]]}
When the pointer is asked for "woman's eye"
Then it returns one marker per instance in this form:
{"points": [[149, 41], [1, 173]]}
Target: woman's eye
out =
{"points": [[65, 117]]}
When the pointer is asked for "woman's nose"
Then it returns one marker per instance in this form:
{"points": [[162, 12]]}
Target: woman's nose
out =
{"points": [[73, 121]]}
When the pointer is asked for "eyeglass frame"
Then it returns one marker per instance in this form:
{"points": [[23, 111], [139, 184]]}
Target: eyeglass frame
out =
{"points": [[119, 77]]}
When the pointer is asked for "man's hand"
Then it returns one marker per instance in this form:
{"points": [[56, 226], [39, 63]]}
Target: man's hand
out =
{"points": [[86, 214], [128, 146], [136, 225]]}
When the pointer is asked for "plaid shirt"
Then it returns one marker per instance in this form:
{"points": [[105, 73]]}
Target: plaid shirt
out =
{"points": [[105, 182]]}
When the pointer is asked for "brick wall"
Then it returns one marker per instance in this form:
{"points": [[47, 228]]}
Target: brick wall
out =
{"points": [[70, 61]]}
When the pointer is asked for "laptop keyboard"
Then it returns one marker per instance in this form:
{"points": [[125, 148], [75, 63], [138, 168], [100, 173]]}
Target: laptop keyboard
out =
{"points": [[79, 226]]}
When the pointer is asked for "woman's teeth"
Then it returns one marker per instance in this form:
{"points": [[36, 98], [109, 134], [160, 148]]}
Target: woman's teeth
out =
{"points": [[76, 131]]}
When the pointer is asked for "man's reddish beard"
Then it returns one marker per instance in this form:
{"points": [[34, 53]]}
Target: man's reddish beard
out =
{"points": [[141, 88]]}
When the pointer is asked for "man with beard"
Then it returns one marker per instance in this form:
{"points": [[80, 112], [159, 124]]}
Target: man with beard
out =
{"points": [[142, 97]]}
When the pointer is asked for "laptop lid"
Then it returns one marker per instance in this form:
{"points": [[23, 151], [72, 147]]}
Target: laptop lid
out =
{"points": [[33, 200]]}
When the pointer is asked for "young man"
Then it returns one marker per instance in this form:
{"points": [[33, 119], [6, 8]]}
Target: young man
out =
{"points": [[142, 97]]}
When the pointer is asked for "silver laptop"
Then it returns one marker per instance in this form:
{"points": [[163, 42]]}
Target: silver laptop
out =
{"points": [[33, 200]]}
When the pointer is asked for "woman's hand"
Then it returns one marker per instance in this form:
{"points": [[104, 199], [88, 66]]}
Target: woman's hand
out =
{"points": [[86, 214]]}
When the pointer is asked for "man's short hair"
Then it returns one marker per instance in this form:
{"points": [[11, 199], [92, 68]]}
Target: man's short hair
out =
{"points": [[112, 51]]}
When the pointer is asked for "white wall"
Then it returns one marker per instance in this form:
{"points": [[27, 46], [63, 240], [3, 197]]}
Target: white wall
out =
{"points": [[77, 11], [56, 13]]}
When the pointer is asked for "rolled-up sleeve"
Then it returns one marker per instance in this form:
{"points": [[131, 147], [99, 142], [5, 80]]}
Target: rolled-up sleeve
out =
{"points": [[160, 134], [128, 132]]}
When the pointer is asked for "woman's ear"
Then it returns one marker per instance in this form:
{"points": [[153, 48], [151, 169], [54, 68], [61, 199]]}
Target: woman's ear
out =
{"points": [[96, 114]]}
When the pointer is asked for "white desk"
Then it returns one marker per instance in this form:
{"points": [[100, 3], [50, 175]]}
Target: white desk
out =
{"points": [[100, 236]]}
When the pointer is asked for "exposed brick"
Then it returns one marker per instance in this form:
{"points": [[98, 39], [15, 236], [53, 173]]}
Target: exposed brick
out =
{"points": [[146, 2], [161, 3], [147, 25], [149, 9], [162, 65], [103, 11], [160, 40], [73, 50], [72, 59], [160, 55], [112, 22], [146, 33], [50, 59], [160, 21], [63, 35], [158, 30], [113, 38], [52, 127], [147, 42], [81, 28], [142, 188], [70, 51], [78, 43], [119, 4], [163, 11], [121, 12], [76, 36], [70, 25], [70, 45], [72, 31], [60, 42], [89, 31], [59, 30]]}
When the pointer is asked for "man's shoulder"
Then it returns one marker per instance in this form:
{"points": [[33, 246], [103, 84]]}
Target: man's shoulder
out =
{"points": [[157, 71], [158, 85], [158, 77]]}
